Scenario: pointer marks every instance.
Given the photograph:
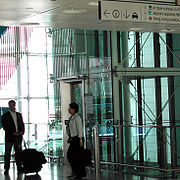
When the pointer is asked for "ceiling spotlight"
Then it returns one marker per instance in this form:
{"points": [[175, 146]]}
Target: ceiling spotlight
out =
{"points": [[167, 30], [74, 11], [29, 8], [136, 29], [92, 3], [29, 24]]}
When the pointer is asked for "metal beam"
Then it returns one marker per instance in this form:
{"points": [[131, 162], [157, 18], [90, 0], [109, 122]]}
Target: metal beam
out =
{"points": [[146, 72]]}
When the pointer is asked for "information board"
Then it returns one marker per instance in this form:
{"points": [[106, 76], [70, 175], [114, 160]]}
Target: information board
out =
{"points": [[138, 12]]}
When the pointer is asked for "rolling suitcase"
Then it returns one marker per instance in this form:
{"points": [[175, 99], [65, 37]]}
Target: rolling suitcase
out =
{"points": [[85, 156], [32, 160]]}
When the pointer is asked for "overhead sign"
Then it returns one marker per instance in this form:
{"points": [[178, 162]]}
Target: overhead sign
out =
{"points": [[138, 12]]}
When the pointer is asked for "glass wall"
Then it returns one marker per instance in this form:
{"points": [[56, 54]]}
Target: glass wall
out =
{"points": [[148, 85], [29, 65], [87, 54], [128, 74]]}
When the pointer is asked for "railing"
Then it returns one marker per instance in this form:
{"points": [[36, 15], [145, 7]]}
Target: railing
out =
{"points": [[153, 141], [42, 137]]}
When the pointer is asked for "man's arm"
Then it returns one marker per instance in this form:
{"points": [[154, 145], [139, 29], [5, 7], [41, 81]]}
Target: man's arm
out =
{"points": [[4, 122], [21, 124]]}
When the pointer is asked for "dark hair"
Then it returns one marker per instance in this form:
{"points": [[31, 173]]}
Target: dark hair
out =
{"points": [[12, 101], [74, 106]]}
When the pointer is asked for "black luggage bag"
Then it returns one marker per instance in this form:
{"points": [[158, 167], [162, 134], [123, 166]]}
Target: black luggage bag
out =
{"points": [[32, 160], [85, 156]]}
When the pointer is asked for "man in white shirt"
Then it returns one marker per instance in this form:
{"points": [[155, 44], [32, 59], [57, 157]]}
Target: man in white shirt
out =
{"points": [[76, 143], [13, 125]]}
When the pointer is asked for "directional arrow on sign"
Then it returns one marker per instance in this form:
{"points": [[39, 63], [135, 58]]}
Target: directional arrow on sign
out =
{"points": [[126, 15], [106, 13]]}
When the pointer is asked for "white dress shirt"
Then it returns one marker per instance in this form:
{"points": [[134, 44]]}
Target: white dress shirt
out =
{"points": [[76, 126], [14, 116]]}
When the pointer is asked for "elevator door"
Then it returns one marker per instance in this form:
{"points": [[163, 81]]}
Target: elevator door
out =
{"points": [[71, 91]]}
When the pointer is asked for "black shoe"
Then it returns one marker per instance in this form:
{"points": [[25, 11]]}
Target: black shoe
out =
{"points": [[6, 172], [72, 175], [77, 177], [83, 175]]}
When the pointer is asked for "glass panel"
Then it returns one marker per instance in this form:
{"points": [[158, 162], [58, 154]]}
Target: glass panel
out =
{"points": [[36, 138], [37, 43], [9, 89], [30, 85], [165, 100], [131, 49], [163, 50], [149, 111], [151, 154], [55, 141], [99, 110], [37, 76], [39, 111], [147, 50], [24, 77]]}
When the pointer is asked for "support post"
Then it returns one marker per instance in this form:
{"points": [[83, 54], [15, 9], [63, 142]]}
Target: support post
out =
{"points": [[96, 150], [120, 145]]}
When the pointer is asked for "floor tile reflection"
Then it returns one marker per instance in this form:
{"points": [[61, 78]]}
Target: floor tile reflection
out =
{"points": [[56, 172]]}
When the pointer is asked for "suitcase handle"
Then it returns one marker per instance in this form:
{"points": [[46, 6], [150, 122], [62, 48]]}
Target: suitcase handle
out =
{"points": [[25, 144]]}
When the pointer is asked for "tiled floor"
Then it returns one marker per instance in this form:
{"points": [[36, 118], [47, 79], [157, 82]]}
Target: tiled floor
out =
{"points": [[56, 172]]}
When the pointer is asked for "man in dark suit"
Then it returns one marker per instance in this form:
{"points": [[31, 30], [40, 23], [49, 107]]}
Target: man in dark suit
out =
{"points": [[13, 125]]}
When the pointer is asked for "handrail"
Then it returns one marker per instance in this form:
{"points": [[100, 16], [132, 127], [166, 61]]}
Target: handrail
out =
{"points": [[148, 126], [97, 161]]}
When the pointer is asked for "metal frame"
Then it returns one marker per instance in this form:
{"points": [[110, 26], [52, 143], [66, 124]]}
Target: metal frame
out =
{"points": [[122, 73], [79, 79], [119, 127]]}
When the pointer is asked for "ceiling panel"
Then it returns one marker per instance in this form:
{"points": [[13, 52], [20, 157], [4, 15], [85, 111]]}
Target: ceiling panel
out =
{"points": [[82, 14]]}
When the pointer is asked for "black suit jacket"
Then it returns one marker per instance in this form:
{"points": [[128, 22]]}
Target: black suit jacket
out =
{"points": [[9, 126]]}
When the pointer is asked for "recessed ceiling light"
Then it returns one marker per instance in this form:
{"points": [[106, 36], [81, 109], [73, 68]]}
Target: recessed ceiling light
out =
{"points": [[29, 24], [167, 30], [74, 11], [136, 29], [93, 3], [29, 8]]}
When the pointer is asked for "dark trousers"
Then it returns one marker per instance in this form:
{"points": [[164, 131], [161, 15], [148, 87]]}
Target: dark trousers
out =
{"points": [[73, 156], [7, 156]]}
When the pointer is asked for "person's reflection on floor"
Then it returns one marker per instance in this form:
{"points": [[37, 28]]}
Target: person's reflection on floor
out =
{"points": [[34, 177], [20, 177], [7, 177]]}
